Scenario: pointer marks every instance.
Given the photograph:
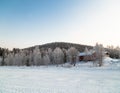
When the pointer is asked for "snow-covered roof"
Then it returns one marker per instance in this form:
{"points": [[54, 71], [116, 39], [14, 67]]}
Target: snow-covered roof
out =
{"points": [[84, 54]]}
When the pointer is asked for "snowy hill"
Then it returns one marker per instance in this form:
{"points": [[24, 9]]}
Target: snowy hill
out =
{"points": [[64, 45]]}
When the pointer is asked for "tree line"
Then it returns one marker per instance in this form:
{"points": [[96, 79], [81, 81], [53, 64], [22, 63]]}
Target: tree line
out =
{"points": [[114, 52], [37, 56]]}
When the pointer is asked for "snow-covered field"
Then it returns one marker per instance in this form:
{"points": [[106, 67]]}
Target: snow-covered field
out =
{"points": [[80, 79]]}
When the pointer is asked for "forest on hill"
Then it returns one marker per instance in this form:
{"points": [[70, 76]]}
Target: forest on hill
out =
{"points": [[114, 52], [62, 45]]}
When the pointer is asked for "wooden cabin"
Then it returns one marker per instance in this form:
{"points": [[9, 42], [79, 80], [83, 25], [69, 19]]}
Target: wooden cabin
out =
{"points": [[87, 56], [90, 56]]}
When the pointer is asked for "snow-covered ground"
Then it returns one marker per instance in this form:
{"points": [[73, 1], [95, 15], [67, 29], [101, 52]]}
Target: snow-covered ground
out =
{"points": [[80, 79]]}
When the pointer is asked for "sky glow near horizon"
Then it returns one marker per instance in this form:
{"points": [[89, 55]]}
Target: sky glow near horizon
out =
{"points": [[25, 23]]}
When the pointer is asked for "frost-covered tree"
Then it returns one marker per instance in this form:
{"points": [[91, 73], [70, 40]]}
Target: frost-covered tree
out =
{"points": [[0, 61], [117, 51], [65, 55], [73, 54], [26, 59], [86, 50], [87, 53], [46, 59], [50, 54], [99, 50], [43, 54], [3, 55], [58, 56], [16, 59], [30, 56], [36, 56], [9, 59], [114, 52], [22, 58]]}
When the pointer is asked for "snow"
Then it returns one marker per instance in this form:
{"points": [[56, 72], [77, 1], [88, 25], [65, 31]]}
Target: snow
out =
{"points": [[83, 78], [84, 54], [114, 63]]}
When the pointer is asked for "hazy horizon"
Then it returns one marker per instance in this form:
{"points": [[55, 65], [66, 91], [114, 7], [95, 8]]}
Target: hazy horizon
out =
{"points": [[25, 23]]}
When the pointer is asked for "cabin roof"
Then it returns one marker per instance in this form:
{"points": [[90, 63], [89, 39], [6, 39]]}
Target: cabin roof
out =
{"points": [[85, 54]]}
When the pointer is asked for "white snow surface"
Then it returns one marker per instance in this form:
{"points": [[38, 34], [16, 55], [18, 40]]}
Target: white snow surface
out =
{"points": [[83, 78]]}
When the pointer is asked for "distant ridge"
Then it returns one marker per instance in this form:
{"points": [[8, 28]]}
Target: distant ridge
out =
{"points": [[64, 45]]}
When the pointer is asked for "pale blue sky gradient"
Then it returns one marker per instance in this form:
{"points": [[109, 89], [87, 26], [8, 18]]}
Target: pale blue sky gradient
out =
{"points": [[25, 23]]}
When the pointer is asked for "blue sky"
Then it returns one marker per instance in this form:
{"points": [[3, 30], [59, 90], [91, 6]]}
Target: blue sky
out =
{"points": [[25, 23]]}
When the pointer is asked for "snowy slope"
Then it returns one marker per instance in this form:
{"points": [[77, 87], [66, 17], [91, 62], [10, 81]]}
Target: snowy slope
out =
{"points": [[115, 63]]}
